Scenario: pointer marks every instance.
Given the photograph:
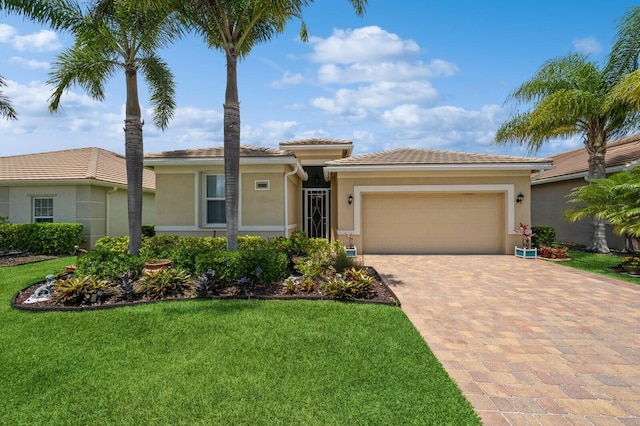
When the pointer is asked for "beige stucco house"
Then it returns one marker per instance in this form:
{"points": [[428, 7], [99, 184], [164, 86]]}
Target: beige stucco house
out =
{"points": [[86, 185], [397, 201], [550, 189]]}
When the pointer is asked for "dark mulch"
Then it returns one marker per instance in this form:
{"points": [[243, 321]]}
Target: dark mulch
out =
{"points": [[14, 258], [383, 295]]}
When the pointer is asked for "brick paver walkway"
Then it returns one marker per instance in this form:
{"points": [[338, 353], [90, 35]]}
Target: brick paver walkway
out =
{"points": [[529, 342]]}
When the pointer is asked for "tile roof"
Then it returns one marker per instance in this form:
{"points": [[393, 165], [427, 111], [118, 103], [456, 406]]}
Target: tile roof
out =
{"points": [[70, 164], [316, 142], [415, 156], [568, 164], [218, 152]]}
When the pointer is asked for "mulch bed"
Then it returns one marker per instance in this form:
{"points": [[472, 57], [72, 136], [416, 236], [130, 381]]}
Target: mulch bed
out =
{"points": [[14, 258], [384, 295]]}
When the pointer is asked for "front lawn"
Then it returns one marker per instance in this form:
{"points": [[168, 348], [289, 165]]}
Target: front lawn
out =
{"points": [[218, 362], [598, 264]]}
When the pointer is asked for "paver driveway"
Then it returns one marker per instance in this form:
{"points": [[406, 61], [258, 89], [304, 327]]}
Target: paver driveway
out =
{"points": [[527, 341]]}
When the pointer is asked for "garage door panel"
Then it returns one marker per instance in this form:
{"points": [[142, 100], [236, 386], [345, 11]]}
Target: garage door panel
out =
{"points": [[433, 223]]}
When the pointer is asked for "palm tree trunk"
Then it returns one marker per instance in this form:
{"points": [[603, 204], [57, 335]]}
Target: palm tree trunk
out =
{"points": [[597, 170], [134, 158], [231, 151]]}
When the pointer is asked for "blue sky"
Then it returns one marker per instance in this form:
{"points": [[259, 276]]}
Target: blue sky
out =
{"points": [[425, 74]]}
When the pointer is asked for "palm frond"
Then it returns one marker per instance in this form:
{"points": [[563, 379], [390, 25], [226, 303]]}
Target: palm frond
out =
{"points": [[162, 88]]}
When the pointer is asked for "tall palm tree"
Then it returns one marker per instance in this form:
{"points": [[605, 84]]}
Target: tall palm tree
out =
{"points": [[235, 26], [6, 110], [112, 36], [567, 98]]}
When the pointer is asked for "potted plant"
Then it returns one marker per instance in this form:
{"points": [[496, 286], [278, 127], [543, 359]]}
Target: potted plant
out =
{"points": [[156, 265], [350, 249], [631, 265], [525, 252]]}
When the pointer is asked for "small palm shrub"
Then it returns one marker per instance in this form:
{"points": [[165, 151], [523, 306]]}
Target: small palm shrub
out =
{"points": [[164, 283], [78, 290]]}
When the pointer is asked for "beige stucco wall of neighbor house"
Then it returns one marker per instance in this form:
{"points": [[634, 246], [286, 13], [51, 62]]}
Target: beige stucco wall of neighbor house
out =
{"points": [[21, 199], [4, 201], [456, 182], [548, 202], [180, 194], [91, 212], [117, 211]]}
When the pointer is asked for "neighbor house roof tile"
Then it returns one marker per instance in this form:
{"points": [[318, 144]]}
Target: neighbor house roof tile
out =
{"points": [[316, 142], [218, 152], [620, 153], [415, 156], [70, 164]]}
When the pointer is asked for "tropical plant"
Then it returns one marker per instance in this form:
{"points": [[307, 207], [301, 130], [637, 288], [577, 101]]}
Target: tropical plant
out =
{"points": [[111, 36], [6, 109], [567, 97], [352, 284], [235, 27], [164, 283], [615, 199], [78, 290]]}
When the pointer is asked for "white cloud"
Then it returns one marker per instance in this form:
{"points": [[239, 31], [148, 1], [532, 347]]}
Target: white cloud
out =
{"points": [[367, 44], [587, 45], [42, 41], [288, 79], [29, 63], [384, 71], [443, 118], [377, 95], [6, 33]]}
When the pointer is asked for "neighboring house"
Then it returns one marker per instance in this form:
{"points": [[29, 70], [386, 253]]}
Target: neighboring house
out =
{"points": [[550, 189], [398, 201], [86, 185]]}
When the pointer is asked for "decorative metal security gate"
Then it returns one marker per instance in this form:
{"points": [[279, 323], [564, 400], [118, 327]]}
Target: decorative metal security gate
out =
{"points": [[316, 212]]}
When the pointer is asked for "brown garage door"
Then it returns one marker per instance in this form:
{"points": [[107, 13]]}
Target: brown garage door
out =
{"points": [[433, 223]]}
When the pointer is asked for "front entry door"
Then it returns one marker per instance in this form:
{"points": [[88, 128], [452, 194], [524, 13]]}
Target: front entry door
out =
{"points": [[316, 212]]}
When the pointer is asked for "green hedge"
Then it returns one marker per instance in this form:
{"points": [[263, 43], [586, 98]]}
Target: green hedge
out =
{"points": [[543, 236], [264, 266], [41, 238]]}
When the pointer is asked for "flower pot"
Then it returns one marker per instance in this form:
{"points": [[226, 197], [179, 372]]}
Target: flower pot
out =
{"points": [[526, 253], [632, 269], [351, 251], [155, 266]]}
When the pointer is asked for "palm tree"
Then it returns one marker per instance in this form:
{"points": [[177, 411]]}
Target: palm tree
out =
{"points": [[112, 36], [567, 98], [235, 26], [6, 110], [615, 199]]}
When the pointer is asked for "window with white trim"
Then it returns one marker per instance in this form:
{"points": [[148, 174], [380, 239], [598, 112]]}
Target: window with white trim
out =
{"points": [[42, 209], [214, 200]]}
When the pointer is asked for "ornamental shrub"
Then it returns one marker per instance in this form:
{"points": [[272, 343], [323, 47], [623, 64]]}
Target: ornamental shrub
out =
{"points": [[543, 236], [107, 265], [41, 238]]}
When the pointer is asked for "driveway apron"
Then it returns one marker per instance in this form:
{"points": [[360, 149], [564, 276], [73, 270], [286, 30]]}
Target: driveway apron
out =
{"points": [[528, 341]]}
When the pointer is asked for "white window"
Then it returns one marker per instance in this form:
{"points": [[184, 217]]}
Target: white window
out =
{"points": [[214, 198], [42, 209]]}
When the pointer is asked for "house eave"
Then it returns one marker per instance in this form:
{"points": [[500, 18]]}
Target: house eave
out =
{"points": [[152, 162], [584, 174], [67, 182], [443, 167]]}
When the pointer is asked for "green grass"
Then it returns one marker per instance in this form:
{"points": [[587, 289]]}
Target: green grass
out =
{"points": [[210, 362], [598, 264]]}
